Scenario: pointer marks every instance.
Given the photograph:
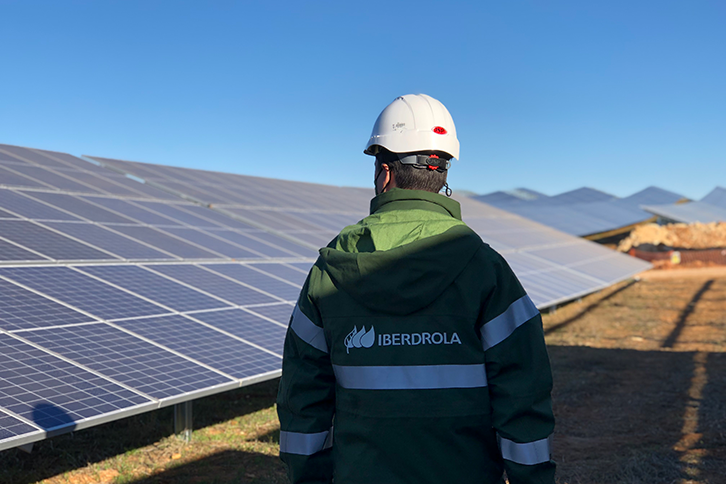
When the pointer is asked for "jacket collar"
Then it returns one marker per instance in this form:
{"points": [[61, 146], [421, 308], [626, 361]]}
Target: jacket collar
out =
{"points": [[400, 199]]}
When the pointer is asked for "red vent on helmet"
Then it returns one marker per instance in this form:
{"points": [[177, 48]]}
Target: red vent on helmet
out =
{"points": [[439, 130]]}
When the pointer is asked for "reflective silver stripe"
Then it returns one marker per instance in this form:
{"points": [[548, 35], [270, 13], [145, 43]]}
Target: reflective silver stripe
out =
{"points": [[499, 328], [305, 444], [528, 454], [308, 331], [410, 377]]}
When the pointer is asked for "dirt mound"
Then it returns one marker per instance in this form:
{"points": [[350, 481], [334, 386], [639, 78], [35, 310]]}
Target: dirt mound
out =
{"points": [[682, 236]]}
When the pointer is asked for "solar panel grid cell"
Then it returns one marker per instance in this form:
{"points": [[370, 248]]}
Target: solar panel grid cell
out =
{"points": [[28, 155], [48, 243], [279, 313], [173, 245], [216, 217], [101, 184], [53, 393], [4, 214], [283, 271], [31, 208], [211, 347], [608, 269], [66, 161], [54, 179], [107, 240], [248, 275], [293, 249], [11, 427], [82, 292], [182, 216], [80, 207], [155, 287], [9, 178], [11, 252], [133, 211], [128, 359], [211, 242], [247, 326], [222, 287], [143, 189], [22, 309], [249, 241], [319, 238]]}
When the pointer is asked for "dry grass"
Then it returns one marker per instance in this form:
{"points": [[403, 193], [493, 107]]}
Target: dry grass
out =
{"points": [[640, 397]]}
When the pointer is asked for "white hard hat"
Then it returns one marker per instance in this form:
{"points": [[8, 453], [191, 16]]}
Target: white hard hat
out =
{"points": [[414, 122]]}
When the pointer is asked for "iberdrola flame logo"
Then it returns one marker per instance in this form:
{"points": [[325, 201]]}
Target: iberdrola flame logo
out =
{"points": [[360, 339]]}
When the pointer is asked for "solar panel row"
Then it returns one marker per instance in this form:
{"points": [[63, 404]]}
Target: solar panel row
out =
{"points": [[157, 313], [37, 225], [711, 208], [81, 342], [566, 267], [585, 211]]}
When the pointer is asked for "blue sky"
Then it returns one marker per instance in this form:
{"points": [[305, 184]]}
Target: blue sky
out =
{"points": [[554, 95]]}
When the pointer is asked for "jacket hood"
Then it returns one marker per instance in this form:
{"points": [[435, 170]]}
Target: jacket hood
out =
{"points": [[402, 257]]}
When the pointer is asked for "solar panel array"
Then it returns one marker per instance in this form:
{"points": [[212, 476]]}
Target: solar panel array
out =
{"points": [[711, 208], [585, 211], [553, 266], [118, 298], [114, 302]]}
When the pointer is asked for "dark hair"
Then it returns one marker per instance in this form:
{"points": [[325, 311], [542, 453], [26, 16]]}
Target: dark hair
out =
{"points": [[410, 177]]}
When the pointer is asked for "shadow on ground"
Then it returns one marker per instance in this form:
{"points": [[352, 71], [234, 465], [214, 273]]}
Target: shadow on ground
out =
{"points": [[230, 466], [67, 452], [628, 416]]}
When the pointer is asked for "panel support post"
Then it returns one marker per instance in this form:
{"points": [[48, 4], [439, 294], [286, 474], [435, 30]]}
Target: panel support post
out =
{"points": [[27, 448], [183, 421]]}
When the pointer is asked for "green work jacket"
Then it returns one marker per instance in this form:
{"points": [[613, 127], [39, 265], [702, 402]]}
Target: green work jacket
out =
{"points": [[414, 355]]}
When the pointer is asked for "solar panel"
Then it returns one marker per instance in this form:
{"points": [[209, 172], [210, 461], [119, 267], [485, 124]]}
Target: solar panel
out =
{"points": [[22, 309], [52, 393], [159, 289], [10, 178], [284, 271], [173, 245], [167, 332], [109, 241], [11, 428], [251, 276], [586, 211], [252, 241], [82, 292], [28, 156], [28, 207], [552, 266], [279, 313], [717, 198], [220, 286], [711, 208], [11, 252], [178, 214], [48, 243], [57, 180], [133, 211], [79, 207], [211, 242], [127, 359], [248, 326], [218, 350]]}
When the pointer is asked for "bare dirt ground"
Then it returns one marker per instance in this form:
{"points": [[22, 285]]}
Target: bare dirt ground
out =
{"points": [[640, 397], [640, 381]]}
